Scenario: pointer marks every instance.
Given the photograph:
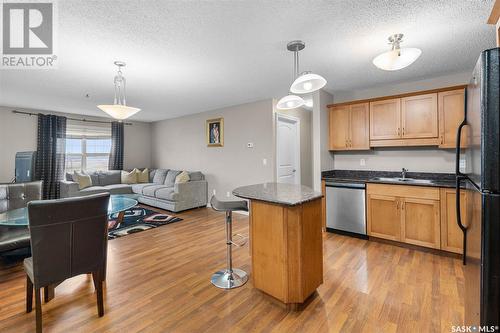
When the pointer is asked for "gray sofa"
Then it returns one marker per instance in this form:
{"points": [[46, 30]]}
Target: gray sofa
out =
{"points": [[161, 191]]}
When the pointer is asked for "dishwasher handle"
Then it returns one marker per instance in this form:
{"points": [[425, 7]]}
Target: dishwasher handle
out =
{"points": [[358, 186]]}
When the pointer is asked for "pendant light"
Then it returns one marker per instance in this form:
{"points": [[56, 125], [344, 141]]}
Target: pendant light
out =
{"points": [[397, 58], [119, 109]]}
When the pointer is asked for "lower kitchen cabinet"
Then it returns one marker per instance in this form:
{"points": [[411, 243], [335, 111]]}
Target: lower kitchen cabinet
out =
{"points": [[383, 216], [411, 214], [451, 235], [420, 223]]}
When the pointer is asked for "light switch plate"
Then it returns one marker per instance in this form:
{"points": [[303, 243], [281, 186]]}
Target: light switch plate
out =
{"points": [[228, 194], [250, 145], [362, 162], [264, 161], [214, 192]]}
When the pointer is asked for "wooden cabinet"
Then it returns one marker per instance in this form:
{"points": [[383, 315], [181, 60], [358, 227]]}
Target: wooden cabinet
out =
{"points": [[451, 105], [385, 119], [383, 216], [419, 116], [420, 223], [410, 214], [451, 234], [349, 127]]}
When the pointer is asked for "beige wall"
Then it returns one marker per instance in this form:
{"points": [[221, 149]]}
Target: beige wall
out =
{"points": [[180, 143], [19, 133], [430, 159], [306, 162]]}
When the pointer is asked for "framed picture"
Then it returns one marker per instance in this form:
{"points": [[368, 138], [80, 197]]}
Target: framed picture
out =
{"points": [[215, 132]]}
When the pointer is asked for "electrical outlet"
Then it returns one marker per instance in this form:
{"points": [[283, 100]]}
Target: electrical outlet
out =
{"points": [[250, 145], [463, 164], [264, 161], [228, 194], [362, 162]]}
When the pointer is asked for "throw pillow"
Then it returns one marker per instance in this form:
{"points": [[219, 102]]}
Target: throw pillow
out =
{"points": [[129, 177], [143, 176], [183, 177], [82, 179]]}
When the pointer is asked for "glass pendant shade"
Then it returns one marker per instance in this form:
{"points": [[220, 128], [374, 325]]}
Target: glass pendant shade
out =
{"points": [[118, 111], [307, 82], [290, 102], [397, 59]]}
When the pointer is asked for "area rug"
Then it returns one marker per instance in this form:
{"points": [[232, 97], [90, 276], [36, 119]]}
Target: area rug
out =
{"points": [[137, 219]]}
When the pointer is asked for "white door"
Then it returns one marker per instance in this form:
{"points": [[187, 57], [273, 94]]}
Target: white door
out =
{"points": [[288, 149]]}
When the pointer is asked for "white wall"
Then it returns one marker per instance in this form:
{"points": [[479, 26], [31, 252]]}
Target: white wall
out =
{"points": [[429, 159], [180, 143], [19, 133]]}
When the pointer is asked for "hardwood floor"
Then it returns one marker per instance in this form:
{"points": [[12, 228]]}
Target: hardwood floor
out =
{"points": [[159, 281]]}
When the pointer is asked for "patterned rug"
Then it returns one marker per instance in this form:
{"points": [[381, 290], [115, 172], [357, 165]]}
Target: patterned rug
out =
{"points": [[137, 219]]}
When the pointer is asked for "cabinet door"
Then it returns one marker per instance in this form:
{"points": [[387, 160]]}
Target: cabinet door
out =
{"points": [[419, 116], [384, 219], [420, 224], [339, 127], [359, 137], [451, 106], [385, 119], [451, 235]]}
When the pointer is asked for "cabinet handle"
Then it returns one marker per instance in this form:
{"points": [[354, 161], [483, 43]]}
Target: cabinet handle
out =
{"points": [[397, 204], [399, 131], [403, 131], [402, 206], [442, 140]]}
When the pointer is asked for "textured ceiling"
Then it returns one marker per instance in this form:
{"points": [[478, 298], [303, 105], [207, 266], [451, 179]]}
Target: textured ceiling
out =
{"points": [[191, 56]]}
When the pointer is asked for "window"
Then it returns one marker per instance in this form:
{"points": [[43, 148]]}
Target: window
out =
{"points": [[87, 146]]}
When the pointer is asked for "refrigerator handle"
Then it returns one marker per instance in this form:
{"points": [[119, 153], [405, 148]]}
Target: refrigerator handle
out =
{"points": [[457, 149], [459, 179]]}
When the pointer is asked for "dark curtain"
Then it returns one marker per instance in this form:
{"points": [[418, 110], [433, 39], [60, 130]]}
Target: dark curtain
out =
{"points": [[116, 155], [50, 156]]}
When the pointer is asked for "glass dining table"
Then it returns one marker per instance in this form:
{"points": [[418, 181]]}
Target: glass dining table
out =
{"points": [[118, 204]]}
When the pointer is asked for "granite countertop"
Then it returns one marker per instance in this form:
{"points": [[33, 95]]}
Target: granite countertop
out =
{"points": [[284, 194], [364, 176]]}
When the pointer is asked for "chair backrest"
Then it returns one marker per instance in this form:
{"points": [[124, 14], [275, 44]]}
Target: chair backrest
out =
{"points": [[17, 195], [68, 237]]}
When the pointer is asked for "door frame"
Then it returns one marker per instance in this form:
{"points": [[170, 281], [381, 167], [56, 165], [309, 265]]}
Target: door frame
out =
{"points": [[298, 177]]}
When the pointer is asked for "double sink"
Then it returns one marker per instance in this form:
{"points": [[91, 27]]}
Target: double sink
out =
{"points": [[403, 180]]}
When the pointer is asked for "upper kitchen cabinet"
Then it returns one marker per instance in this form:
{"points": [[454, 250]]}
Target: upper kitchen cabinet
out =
{"points": [[385, 119], [427, 118], [451, 105], [419, 116], [349, 127]]}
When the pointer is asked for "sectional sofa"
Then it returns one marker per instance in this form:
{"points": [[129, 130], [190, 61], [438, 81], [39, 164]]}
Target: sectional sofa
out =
{"points": [[161, 191]]}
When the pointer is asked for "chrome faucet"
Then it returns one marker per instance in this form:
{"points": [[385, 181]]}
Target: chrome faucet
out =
{"points": [[403, 173]]}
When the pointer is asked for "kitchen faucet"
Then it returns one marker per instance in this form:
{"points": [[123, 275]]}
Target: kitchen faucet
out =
{"points": [[403, 173]]}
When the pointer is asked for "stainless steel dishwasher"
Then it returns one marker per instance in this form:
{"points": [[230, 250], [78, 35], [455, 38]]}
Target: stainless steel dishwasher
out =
{"points": [[345, 208]]}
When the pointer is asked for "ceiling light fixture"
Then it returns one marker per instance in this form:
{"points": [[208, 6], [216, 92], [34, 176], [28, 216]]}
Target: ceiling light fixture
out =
{"points": [[304, 83], [396, 58], [119, 109]]}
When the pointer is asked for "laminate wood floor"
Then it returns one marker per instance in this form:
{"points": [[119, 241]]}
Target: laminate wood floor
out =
{"points": [[159, 281]]}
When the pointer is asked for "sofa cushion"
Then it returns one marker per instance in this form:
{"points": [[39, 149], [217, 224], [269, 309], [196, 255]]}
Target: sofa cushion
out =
{"points": [[196, 175], [109, 177], [159, 177], [171, 175], [119, 188], [143, 176], [129, 177], [93, 190], [82, 179], [167, 193], [138, 188], [150, 191], [151, 175], [12, 238], [182, 177]]}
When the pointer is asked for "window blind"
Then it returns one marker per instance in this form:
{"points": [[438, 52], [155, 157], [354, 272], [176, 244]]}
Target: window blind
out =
{"points": [[87, 129]]}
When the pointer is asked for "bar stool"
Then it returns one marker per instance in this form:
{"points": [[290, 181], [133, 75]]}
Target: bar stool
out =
{"points": [[230, 277]]}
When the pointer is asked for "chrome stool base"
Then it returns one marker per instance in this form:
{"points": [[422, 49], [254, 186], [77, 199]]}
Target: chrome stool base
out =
{"points": [[226, 280]]}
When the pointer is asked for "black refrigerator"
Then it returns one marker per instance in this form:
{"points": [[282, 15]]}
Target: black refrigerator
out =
{"points": [[477, 173]]}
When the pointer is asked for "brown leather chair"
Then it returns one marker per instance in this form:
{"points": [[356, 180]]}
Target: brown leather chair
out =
{"points": [[12, 196], [68, 238]]}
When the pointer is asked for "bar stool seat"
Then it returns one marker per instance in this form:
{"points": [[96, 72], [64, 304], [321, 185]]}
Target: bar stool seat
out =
{"points": [[230, 277]]}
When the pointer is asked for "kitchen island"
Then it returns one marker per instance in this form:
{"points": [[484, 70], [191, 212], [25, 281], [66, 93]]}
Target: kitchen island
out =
{"points": [[286, 241]]}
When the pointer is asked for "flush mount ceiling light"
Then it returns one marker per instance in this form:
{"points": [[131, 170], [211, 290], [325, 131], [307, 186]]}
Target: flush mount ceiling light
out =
{"points": [[304, 83], [119, 109], [396, 58]]}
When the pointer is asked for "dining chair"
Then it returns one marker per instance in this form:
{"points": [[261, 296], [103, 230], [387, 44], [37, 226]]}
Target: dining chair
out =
{"points": [[68, 238]]}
